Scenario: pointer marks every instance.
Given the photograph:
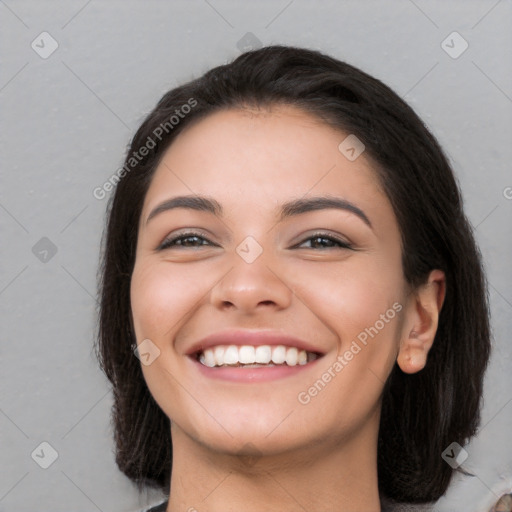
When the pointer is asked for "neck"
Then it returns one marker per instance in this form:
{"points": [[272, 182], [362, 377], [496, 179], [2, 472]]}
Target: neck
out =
{"points": [[326, 477]]}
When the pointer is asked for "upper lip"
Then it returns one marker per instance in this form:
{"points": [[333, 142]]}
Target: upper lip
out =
{"points": [[254, 338]]}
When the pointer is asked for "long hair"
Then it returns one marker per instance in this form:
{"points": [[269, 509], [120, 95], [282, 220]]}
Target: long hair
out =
{"points": [[422, 413]]}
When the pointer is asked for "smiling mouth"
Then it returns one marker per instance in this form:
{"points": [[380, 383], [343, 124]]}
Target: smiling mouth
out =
{"points": [[248, 356]]}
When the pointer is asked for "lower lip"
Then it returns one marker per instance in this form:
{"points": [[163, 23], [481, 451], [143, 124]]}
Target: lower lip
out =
{"points": [[262, 374]]}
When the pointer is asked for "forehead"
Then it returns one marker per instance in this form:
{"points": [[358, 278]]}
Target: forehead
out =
{"points": [[258, 157]]}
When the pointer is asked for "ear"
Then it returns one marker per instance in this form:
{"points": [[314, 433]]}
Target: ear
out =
{"points": [[421, 321]]}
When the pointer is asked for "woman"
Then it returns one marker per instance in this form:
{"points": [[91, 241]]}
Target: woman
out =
{"points": [[287, 255]]}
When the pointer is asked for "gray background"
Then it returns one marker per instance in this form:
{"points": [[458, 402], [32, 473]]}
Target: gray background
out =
{"points": [[65, 123]]}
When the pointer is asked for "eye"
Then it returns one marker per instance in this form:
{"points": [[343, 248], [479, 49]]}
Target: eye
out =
{"points": [[196, 239], [189, 239], [325, 241]]}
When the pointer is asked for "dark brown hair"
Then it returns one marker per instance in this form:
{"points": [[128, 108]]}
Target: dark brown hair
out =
{"points": [[421, 413]]}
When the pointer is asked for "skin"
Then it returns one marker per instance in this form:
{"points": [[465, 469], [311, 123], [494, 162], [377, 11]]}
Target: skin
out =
{"points": [[255, 447]]}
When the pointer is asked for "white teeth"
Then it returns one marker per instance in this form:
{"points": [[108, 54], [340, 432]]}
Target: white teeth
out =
{"points": [[292, 355], [246, 354], [218, 352], [263, 354], [253, 357], [209, 360], [279, 354], [231, 355]]}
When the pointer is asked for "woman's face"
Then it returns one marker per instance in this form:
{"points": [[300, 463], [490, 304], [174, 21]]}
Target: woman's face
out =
{"points": [[330, 277]]}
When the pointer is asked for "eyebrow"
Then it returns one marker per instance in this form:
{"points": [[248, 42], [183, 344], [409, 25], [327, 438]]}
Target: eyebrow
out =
{"points": [[288, 209], [199, 203]]}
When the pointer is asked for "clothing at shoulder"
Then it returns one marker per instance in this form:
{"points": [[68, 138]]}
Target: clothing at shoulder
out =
{"points": [[161, 507]]}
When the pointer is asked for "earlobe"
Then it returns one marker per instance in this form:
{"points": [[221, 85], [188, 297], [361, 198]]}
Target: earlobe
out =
{"points": [[421, 323], [412, 360]]}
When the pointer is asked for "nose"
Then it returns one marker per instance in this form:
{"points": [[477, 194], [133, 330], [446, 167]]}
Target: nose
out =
{"points": [[251, 287]]}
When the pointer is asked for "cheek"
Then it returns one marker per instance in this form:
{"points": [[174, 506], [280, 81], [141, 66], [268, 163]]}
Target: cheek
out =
{"points": [[160, 299], [360, 302], [361, 306], [349, 297]]}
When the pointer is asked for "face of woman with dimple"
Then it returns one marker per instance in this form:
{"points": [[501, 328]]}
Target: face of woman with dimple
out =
{"points": [[323, 276]]}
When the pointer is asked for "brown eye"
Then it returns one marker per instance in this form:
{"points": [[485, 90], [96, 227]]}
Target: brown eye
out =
{"points": [[185, 240], [324, 241]]}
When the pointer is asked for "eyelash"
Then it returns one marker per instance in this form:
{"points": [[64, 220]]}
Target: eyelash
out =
{"points": [[171, 242]]}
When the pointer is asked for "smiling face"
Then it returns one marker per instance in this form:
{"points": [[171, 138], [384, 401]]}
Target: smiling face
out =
{"points": [[290, 239]]}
